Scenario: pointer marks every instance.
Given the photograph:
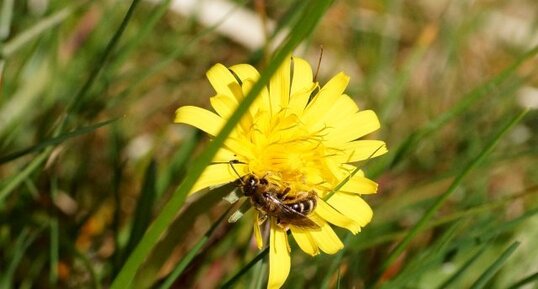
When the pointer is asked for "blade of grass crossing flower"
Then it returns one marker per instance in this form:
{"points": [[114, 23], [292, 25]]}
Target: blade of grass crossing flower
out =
{"points": [[463, 269], [494, 267], [55, 140], [527, 280], [433, 209], [299, 32], [192, 253], [465, 103]]}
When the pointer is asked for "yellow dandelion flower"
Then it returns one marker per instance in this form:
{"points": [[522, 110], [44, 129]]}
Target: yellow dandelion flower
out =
{"points": [[301, 136]]}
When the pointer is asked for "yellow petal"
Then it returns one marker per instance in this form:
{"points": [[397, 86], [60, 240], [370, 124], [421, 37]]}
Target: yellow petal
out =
{"points": [[326, 239], [279, 257], [360, 185], [200, 118], [221, 79], [305, 241], [257, 231], [279, 87], [242, 148], [218, 174], [302, 78], [325, 99], [358, 125], [352, 206], [362, 150], [245, 71], [332, 216], [225, 155]]}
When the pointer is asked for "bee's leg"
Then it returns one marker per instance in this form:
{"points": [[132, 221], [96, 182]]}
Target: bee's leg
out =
{"points": [[282, 195], [285, 227], [261, 218]]}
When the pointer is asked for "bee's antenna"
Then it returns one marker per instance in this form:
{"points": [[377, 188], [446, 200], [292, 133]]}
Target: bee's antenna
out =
{"points": [[232, 162]]}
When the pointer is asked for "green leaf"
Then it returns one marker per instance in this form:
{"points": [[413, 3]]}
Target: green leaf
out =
{"points": [[417, 228], [144, 209], [24, 240], [180, 267], [176, 234], [465, 103], [37, 30], [531, 278], [463, 269], [245, 269], [494, 267], [55, 140]]}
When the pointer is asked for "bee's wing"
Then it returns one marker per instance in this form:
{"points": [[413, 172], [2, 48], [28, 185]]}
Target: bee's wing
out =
{"points": [[290, 216]]}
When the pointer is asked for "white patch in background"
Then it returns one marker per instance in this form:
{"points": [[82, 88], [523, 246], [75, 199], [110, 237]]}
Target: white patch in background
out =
{"points": [[139, 146], [527, 97]]}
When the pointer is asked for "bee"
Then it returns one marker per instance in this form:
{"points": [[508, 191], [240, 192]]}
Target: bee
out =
{"points": [[273, 200]]}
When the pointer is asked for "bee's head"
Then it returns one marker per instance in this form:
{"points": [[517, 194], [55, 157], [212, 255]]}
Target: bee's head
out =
{"points": [[250, 183]]}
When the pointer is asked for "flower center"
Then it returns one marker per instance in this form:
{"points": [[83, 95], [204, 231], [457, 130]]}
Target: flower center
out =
{"points": [[286, 152]]}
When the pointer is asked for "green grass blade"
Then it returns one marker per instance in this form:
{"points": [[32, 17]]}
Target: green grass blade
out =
{"points": [[245, 269], [192, 253], [175, 234], [531, 278], [144, 209], [149, 24], [38, 29], [413, 232], [77, 100], [24, 240], [55, 140], [5, 19], [430, 258], [297, 34], [461, 271], [335, 262], [493, 268], [54, 250], [22, 175], [465, 103], [176, 168]]}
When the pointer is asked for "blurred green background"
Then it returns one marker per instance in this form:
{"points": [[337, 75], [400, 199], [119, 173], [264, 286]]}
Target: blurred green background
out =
{"points": [[89, 154]]}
